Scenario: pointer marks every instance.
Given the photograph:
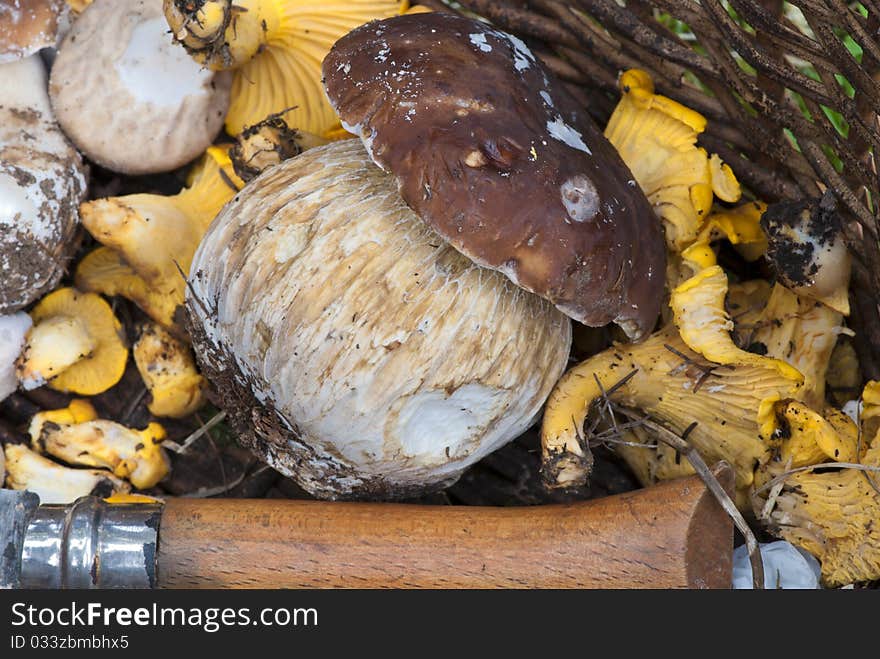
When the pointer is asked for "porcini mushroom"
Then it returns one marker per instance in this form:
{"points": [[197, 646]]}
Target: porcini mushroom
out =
{"points": [[275, 47], [496, 157], [13, 330], [154, 238], [168, 370], [26, 26], [55, 483], [135, 455], [118, 73], [656, 137], [414, 364], [42, 181], [76, 344]]}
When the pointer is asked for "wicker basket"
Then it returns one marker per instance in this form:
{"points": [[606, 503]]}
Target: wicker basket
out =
{"points": [[790, 89]]}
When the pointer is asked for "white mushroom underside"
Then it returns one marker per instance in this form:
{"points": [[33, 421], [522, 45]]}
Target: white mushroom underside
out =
{"points": [[156, 70], [395, 357]]}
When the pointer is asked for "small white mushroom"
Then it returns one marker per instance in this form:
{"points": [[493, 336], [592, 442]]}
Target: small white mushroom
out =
{"points": [[128, 97], [42, 182]]}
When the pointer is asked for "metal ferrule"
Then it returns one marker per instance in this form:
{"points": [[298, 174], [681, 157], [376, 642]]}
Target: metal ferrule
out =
{"points": [[91, 544]]}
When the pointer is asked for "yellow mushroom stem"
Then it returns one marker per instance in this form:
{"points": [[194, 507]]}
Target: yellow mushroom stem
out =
{"points": [[801, 332], [169, 372], [154, 238], [649, 459], [675, 387], [843, 378], [54, 483], [53, 345], [276, 47], [135, 455]]}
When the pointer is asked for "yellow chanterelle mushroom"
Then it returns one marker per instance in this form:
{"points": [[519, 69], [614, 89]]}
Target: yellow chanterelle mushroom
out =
{"points": [[152, 238], [76, 345]]}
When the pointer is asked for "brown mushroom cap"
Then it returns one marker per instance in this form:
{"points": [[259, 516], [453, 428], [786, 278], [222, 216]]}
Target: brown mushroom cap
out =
{"points": [[28, 25], [495, 156]]}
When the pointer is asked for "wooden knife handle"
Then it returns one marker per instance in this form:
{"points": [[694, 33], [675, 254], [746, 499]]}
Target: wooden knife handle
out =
{"points": [[672, 535]]}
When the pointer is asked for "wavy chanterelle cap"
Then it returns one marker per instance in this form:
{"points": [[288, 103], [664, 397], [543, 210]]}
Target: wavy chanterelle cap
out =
{"points": [[353, 348], [493, 154], [832, 513], [276, 47], [75, 345], [657, 139]]}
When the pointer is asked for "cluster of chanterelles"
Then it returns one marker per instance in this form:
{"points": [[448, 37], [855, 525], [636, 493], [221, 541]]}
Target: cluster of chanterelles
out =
{"points": [[372, 332]]}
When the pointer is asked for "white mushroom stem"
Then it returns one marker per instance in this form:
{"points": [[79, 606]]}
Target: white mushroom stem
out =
{"points": [[13, 330], [54, 483], [53, 345]]}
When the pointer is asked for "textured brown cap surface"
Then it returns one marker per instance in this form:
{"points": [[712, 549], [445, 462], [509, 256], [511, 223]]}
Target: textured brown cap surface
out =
{"points": [[494, 155], [28, 25]]}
